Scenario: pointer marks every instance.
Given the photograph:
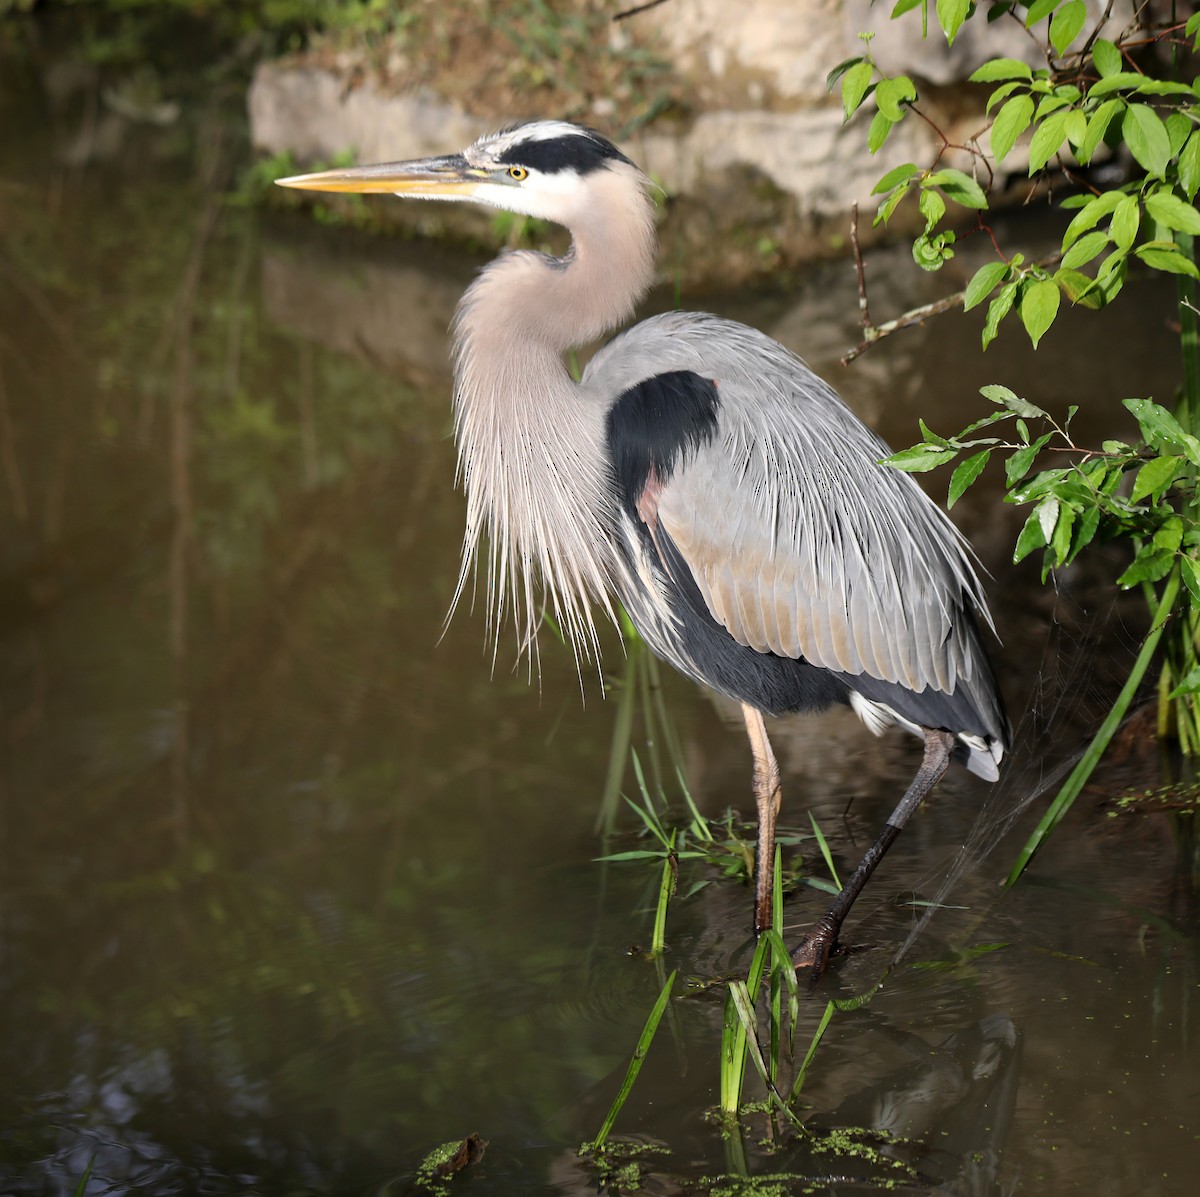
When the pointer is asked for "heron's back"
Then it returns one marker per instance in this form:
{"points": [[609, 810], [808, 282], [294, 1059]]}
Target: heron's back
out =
{"points": [[783, 530]]}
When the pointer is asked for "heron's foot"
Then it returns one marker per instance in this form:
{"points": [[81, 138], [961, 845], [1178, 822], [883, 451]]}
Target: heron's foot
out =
{"points": [[816, 949]]}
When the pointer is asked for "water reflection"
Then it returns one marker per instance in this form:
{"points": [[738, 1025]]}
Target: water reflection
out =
{"points": [[293, 888]]}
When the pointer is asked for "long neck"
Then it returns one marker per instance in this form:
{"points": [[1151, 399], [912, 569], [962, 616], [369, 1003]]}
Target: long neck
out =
{"points": [[530, 440]]}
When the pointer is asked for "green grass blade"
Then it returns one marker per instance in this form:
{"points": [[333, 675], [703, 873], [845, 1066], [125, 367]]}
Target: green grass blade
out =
{"points": [[699, 828], [748, 1021], [823, 844], [635, 1063], [783, 976], [733, 1059], [733, 1034], [658, 703], [81, 1187], [1087, 763], [666, 888], [818, 1035], [776, 998], [743, 1004], [618, 752]]}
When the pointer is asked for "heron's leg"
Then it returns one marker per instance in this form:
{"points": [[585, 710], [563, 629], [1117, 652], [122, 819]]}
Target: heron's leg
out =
{"points": [[821, 940], [767, 796]]}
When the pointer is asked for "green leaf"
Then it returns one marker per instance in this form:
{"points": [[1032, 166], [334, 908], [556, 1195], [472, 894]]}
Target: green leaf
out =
{"points": [[1106, 57], [1077, 287], [898, 174], [1010, 399], [1030, 538], [959, 187], [839, 70], [889, 205], [1155, 476], [1125, 221], [1158, 257], [920, 458], [1169, 535], [932, 251], [997, 310], [1170, 210], [1161, 429], [891, 93], [1121, 81], [1178, 129], [1075, 126], [1111, 264], [986, 422], [1047, 512], [1085, 531], [1067, 23], [1110, 278], [951, 14], [964, 474], [1091, 215], [1085, 249], [1047, 139], [1191, 579], [1189, 166], [983, 282], [1020, 463], [1147, 138], [855, 84], [1097, 126], [1039, 306], [1038, 10], [1011, 121], [931, 437], [877, 134], [1189, 684], [1000, 68], [1150, 565], [1164, 87], [1060, 542], [1051, 103], [931, 206], [1002, 92], [903, 6]]}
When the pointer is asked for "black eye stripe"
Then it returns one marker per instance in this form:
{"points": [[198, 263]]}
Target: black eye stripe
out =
{"points": [[580, 152]]}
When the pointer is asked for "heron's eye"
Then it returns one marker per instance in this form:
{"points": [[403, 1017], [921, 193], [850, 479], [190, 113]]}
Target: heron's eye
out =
{"points": [[518, 173]]}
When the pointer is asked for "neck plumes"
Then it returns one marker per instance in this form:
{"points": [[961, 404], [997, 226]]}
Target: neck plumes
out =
{"points": [[531, 441]]}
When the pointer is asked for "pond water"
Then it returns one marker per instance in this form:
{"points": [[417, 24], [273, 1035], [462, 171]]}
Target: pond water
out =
{"points": [[294, 887]]}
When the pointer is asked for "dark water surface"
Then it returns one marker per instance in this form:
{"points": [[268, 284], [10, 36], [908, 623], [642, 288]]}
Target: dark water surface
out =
{"points": [[293, 888]]}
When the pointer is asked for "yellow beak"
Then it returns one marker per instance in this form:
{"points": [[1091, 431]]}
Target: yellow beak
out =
{"points": [[432, 178]]}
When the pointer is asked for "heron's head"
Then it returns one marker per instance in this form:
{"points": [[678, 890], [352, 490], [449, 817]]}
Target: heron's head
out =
{"points": [[549, 169]]}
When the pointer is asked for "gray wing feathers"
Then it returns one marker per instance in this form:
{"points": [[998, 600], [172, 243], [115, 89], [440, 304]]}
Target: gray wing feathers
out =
{"points": [[800, 542]]}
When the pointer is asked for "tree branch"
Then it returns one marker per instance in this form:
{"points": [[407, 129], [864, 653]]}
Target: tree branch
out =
{"points": [[876, 332]]}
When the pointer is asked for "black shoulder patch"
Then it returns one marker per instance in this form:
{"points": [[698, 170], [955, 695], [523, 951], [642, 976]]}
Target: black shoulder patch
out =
{"points": [[654, 425], [582, 152]]}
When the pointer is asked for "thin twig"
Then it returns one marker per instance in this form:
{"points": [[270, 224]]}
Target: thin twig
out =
{"points": [[877, 332], [915, 316], [864, 314], [1091, 41], [633, 12]]}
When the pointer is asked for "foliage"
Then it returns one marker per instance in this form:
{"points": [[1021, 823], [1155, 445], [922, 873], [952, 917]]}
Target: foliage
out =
{"points": [[1106, 90]]}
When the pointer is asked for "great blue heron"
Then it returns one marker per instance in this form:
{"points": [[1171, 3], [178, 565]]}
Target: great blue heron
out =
{"points": [[702, 475]]}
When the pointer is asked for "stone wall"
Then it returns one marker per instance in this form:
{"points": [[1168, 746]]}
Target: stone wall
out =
{"points": [[753, 74]]}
